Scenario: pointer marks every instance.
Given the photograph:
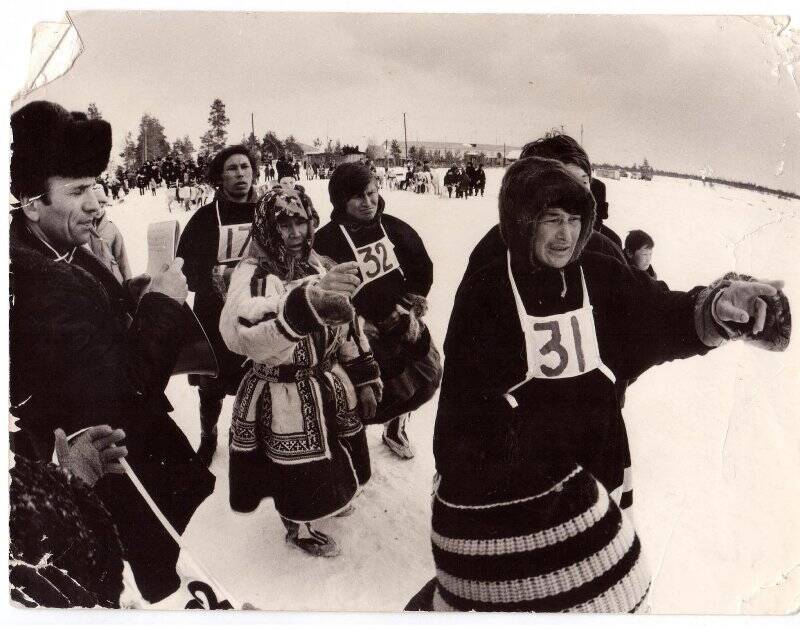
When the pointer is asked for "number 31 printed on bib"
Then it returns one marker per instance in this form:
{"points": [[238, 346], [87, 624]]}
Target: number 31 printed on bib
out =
{"points": [[567, 356]]}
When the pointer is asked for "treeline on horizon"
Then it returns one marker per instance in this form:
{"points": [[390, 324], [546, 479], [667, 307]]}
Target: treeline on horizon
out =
{"points": [[715, 180], [152, 143]]}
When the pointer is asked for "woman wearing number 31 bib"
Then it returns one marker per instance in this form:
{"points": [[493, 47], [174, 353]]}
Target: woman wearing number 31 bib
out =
{"points": [[529, 439], [396, 275]]}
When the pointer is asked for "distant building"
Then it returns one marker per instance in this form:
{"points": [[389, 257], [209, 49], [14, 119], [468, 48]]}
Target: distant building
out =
{"points": [[608, 173], [487, 154], [352, 157]]}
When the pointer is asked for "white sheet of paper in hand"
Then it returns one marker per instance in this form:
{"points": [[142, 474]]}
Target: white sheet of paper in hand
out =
{"points": [[162, 243]]}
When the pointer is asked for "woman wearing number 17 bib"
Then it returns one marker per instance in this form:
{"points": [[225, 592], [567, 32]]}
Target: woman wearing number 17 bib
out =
{"points": [[529, 438], [396, 275]]}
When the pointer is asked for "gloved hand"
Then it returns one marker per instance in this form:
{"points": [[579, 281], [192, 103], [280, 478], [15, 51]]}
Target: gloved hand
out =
{"points": [[93, 453], [334, 308], [757, 311], [367, 401], [411, 335], [342, 278]]}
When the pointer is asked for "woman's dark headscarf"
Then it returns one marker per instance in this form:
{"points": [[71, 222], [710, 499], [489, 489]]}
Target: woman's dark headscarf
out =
{"points": [[271, 252]]}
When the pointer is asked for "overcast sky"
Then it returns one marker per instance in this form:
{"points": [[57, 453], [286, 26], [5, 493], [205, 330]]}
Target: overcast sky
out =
{"points": [[685, 92]]}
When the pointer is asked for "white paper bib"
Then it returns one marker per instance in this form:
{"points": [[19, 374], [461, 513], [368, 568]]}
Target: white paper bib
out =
{"points": [[560, 345], [375, 259], [233, 241]]}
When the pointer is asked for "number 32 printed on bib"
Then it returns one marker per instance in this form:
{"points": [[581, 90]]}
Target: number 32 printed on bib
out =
{"points": [[376, 260]]}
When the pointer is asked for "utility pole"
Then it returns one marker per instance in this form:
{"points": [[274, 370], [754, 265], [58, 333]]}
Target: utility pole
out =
{"points": [[252, 124], [581, 134], [405, 134]]}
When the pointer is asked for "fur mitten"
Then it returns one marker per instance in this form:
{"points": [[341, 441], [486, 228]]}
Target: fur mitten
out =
{"points": [[777, 324], [414, 303], [401, 327], [333, 308]]}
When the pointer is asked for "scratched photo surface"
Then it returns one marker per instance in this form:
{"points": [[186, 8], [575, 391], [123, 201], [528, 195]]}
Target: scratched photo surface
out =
{"points": [[707, 107]]}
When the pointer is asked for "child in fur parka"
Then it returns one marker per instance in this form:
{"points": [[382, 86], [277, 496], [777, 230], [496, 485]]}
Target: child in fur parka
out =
{"points": [[296, 431]]}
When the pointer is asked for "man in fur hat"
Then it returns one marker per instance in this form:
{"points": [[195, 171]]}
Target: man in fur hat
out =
{"points": [[86, 350]]}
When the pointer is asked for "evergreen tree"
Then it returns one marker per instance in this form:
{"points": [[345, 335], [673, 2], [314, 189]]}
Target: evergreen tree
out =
{"points": [[93, 113], [337, 148], [271, 145], [188, 148], [253, 145], [292, 147], [151, 142], [395, 149], [129, 154], [213, 140], [182, 148]]}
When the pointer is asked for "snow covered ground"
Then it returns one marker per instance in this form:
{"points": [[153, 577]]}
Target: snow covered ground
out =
{"points": [[715, 440]]}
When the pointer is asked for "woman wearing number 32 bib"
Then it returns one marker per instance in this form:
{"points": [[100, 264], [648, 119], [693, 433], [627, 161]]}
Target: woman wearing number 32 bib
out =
{"points": [[529, 438], [396, 275], [296, 431]]}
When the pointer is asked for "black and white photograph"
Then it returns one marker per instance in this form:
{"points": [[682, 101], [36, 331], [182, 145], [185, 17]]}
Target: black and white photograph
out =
{"points": [[404, 311]]}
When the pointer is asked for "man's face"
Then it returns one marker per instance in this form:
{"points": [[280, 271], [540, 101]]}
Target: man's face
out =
{"points": [[641, 258], [364, 206], [237, 177], [66, 221], [577, 172], [555, 237]]}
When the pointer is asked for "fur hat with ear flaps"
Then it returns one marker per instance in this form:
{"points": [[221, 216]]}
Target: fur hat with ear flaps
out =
{"points": [[529, 187], [50, 141]]}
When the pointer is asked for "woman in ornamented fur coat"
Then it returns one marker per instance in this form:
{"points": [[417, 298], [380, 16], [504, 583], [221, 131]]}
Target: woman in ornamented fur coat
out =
{"points": [[296, 431], [536, 339]]}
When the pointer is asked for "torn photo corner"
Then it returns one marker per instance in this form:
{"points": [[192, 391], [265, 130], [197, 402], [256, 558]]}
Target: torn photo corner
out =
{"points": [[690, 122], [54, 48]]}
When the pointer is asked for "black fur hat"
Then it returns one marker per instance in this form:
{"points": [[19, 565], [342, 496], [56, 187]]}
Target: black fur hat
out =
{"points": [[532, 185], [50, 141]]}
